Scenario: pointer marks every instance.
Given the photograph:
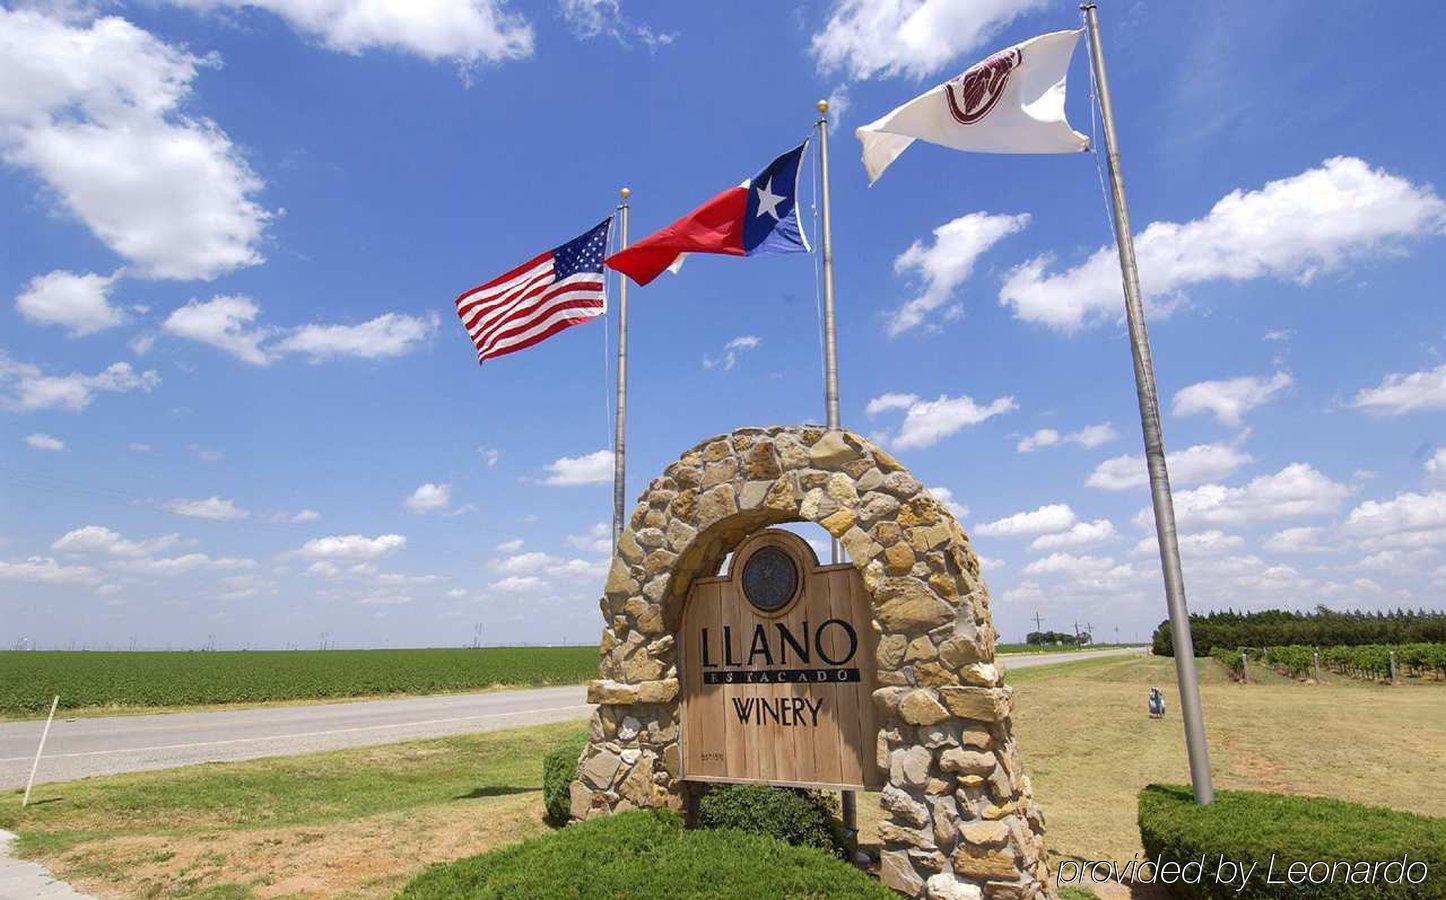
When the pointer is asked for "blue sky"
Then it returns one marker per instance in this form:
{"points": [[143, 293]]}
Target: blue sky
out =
{"points": [[238, 404]]}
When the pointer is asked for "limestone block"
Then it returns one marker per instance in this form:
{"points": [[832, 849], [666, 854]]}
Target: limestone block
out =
{"points": [[921, 707], [946, 887], [985, 704], [903, 807], [897, 871]]}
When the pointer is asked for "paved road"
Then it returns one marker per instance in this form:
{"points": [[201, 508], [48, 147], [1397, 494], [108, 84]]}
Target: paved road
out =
{"points": [[78, 748]]}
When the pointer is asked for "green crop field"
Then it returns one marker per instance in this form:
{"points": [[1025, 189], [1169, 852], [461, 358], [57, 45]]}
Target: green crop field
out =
{"points": [[122, 679]]}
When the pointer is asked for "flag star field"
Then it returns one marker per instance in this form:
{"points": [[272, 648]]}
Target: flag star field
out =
{"points": [[252, 254]]}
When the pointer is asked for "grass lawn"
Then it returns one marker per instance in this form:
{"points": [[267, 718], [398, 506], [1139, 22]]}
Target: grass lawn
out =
{"points": [[360, 823]]}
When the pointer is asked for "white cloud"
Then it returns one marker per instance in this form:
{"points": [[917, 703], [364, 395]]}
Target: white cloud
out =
{"points": [[224, 323], [78, 303], [1296, 490], [490, 456], [1050, 519], [467, 31], [44, 570], [1210, 542], [1301, 539], [881, 38], [138, 447], [1081, 534], [430, 498], [525, 563], [511, 546], [209, 508], [1403, 393], [1088, 436], [1295, 229], [517, 584], [926, 422], [1230, 399], [1044, 437], [1407, 520], [945, 264], [591, 468], [593, 18], [945, 496], [31, 389], [352, 547], [180, 565], [99, 539], [228, 323], [1084, 574], [598, 539], [1436, 466], [94, 111], [839, 102], [390, 334], [1202, 462], [297, 518], [886, 402], [45, 442], [731, 351]]}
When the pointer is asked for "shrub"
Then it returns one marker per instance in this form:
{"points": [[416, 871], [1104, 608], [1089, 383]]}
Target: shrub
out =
{"points": [[646, 853], [1231, 660], [1248, 827], [792, 815], [559, 768]]}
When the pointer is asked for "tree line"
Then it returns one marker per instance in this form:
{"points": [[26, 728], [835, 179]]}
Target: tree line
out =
{"points": [[1322, 628], [1056, 639]]}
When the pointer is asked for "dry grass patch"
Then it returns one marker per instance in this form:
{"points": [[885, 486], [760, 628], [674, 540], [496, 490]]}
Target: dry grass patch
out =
{"points": [[1089, 746]]}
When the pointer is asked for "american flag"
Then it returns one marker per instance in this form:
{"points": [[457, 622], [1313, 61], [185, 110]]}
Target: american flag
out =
{"points": [[553, 290]]}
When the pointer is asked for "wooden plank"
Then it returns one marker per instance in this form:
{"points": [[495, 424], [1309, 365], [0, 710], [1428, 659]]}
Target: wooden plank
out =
{"points": [[716, 745]]}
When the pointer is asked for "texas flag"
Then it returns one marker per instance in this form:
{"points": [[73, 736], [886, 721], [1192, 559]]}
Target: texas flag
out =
{"points": [[758, 216]]}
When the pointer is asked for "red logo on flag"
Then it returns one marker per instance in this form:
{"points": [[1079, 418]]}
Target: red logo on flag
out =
{"points": [[980, 87]]}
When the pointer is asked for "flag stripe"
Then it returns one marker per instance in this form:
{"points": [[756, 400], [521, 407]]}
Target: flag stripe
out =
{"points": [[484, 295], [565, 300], [508, 305], [569, 316], [524, 305]]}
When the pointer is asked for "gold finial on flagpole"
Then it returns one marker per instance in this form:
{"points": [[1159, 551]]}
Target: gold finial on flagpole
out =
{"points": [[625, 193], [823, 107]]}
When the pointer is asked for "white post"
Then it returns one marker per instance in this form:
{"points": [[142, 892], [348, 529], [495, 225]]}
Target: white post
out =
{"points": [[1163, 503], [39, 750], [1393, 665], [620, 423]]}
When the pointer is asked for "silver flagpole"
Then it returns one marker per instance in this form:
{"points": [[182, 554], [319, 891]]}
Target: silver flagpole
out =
{"points": [[830, 342], [848, 804], [621, 415], [1154, 438]]}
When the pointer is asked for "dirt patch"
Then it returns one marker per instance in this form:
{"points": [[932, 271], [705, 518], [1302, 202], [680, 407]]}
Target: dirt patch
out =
{"points": [[369, 857]]}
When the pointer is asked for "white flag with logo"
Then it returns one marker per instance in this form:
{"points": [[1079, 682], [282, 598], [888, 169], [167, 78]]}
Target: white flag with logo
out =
{"points": [[1012, 102]]}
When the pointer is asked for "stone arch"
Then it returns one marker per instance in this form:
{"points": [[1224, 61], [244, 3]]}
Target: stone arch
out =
{"points": [[962, 821]]}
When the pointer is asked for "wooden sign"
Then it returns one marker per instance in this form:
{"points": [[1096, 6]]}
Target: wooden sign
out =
{"points": [[778, 671]]}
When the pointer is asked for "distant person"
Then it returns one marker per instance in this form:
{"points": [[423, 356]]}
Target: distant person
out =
{"points": [[1157, 704]]}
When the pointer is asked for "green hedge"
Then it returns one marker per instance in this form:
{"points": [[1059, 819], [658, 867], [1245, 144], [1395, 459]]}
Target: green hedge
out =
{"points": [[1248, 827], [647, 853], [792, 815], [559, 768]]}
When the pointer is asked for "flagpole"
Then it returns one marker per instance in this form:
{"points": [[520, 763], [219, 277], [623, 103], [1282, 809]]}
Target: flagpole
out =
{"points": [[830, 342], [848, 801], [620, 423], [1154, 438]]}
